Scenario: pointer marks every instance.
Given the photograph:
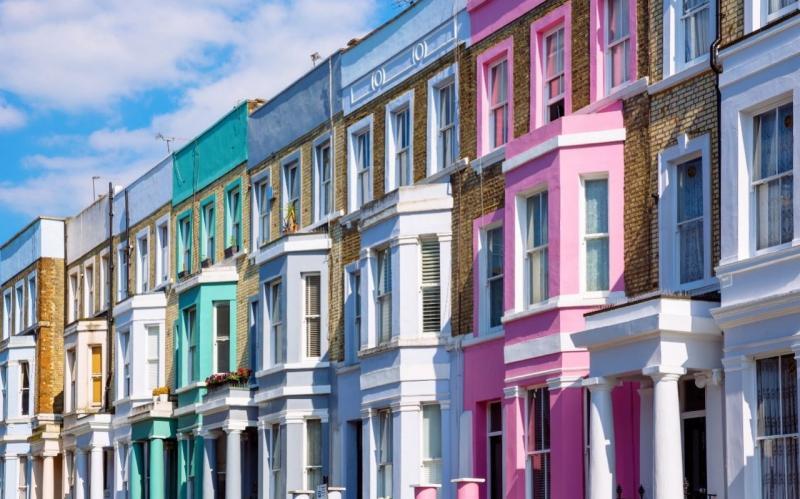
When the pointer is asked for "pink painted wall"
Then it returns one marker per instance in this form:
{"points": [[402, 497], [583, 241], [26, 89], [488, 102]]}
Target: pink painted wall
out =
{"points": [[487, 16], [540, 27], [503, 49]]}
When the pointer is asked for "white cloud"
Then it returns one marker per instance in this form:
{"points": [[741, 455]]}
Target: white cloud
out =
{"points": [[79, 55], [10, 117]]}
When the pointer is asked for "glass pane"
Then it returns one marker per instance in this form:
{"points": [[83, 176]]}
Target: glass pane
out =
{"points": [[540, 470], [696, 32], [690, 190], [495, 417], [785, 143], [222, 331], [768, 394], [766, 164], [597, 264], [690, 236], [537, 276], [789, 393], [779, 468], [499, 83], [617, 19], [537, 220], [596, 192], [431, 432], [495, 247], [619, 63]]}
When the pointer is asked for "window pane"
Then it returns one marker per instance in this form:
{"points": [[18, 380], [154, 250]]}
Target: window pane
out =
{"points": [[499, 83], [690, 237], [597, 264], [222, 329], [596, 192], [696, 23], [617, 19]]}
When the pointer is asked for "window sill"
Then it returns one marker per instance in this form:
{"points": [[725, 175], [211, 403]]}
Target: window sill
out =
{"points": [[292, 366], [489, 159], [191, 386], [591, 299], [322, 221], [623, 91], [694, 68], [761, 258]]}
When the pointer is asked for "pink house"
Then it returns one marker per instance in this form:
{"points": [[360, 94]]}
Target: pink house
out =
{"points": [[551, 254]]}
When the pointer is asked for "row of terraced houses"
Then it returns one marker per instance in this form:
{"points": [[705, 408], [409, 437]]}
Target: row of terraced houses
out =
{"points": [[522, 250]]}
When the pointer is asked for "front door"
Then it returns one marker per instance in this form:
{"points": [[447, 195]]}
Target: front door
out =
{"points": [[694, 441]]}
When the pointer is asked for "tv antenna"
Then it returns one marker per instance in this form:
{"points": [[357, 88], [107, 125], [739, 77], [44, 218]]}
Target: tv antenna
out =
{"points": [[315, 57], [167, 140]]}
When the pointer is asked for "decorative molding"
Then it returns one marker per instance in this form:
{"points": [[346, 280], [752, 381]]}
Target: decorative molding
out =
{"points": [[413, 58]]}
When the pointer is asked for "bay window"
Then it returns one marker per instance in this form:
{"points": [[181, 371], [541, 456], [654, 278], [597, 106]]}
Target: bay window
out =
{"points": [[554, 74], [312, 313], [384, 295], [617, 36], [313, 468], [431, 444], [776, 425], [430, 287], [772, 176], [595, 236], [498, 104], [538, 444], [536, 270], [385, 450], [277, 331]]}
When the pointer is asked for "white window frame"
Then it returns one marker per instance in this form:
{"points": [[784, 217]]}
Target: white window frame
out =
{"points": [[19, 307], [25, 411], [185, 249], [748, 120], [123, 277], [308, 468], [8, 313], [190, 333], [72, 375], [446, 77], [296, 159], [673, 39], [607, 47], [437, 285], [208, 245], [320, 213], [584, 237], [162, 258], [275, 460], [143, 284], [73, 294], [365, 125], [307, 317], [125, 354], [382, 297], [4, 389], [521, 286], [260, 208], [32, 294], [215, 335], [105, 285], [277, 328], [88, 285], [668, 160], [505, 58], [756, 14], [529, 453], [403, 103], [380, 460], [426, 461], [484, 294]]}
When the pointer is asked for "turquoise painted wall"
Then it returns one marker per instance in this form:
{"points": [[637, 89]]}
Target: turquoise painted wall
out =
{"points": [[202, 298], [210, 155]]}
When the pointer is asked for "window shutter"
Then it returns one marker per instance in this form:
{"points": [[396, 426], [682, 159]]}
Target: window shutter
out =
{"points": [[152, 357], [312, 316], [431, 296]]}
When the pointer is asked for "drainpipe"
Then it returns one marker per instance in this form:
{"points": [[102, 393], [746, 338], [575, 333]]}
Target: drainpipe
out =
{"points": [[110, 302]]}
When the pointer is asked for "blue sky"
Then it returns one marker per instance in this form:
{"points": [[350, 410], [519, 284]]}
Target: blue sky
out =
{"points": [[85, 85]]}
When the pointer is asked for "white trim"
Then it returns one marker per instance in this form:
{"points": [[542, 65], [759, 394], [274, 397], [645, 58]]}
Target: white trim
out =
{"points": [[87, 307], [435, 84], [363, 125], [163, 268], [263, 177], [561, 141], [402, 103], [697, 67], [668, 160], [143, 234], [539, 347]]}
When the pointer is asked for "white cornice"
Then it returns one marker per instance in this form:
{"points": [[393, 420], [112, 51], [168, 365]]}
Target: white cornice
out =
{"points": [[561, 141], [211, 275]]}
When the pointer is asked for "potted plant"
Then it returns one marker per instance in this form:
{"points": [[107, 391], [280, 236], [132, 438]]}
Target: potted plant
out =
{"points": [[161, 393], [232, 248], [237, 378]]}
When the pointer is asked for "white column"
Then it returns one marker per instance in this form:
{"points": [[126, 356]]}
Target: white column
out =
{"points": [[406, 459], [368, 443], [48, 478], [233, 464], [601, 438], [646, 436], [715, 422], [96, 480], [65, 467], [80, 479], [263, 464], [667, 452], [209, 465]]}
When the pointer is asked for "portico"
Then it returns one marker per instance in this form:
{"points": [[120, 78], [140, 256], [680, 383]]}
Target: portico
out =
{"points": [[671, 347]]}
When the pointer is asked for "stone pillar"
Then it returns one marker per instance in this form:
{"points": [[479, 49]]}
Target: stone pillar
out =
{"points": [[601, 438], [667, 452], [646, 436], [156, 485], [97, 472], [80, 478], [233, 463], [136, 470], [426, 491], [468, 488], [48, 477], [209, 465]]}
